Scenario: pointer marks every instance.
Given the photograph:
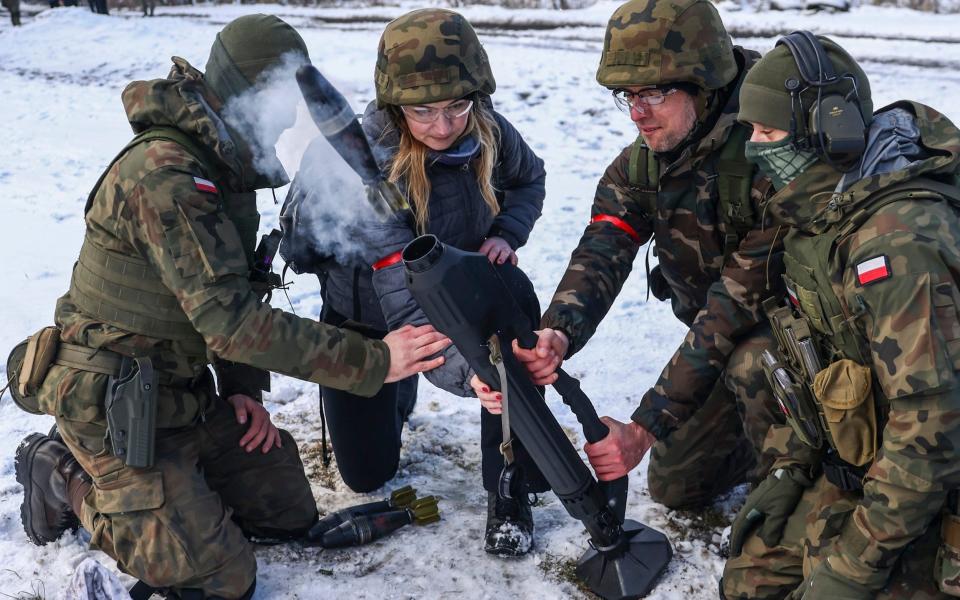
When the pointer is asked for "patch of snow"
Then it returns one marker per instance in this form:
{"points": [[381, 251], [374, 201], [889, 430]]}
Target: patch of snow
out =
{"points": [[61, 76]]}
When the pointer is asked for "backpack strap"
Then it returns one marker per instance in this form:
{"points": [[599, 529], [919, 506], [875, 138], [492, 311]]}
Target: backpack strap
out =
{"points": [[643, 176], [159, 132], [734, 183]]}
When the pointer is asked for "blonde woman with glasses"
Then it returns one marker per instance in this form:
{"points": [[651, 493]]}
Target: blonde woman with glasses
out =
{"points": [[474, 183]]}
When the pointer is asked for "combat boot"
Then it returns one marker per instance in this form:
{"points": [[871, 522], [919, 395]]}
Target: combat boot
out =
{"points": [[509, 525], [53, 484]]}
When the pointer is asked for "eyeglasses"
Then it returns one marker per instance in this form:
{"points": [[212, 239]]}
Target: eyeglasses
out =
{"points": [[429, 114], [641, 100]]}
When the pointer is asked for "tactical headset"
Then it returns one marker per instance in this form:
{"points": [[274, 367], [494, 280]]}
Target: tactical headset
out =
{"points": [[833, 127]]}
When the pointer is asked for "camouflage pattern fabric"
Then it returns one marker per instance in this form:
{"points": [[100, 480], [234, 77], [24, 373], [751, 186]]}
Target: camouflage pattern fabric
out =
{"points": [[430, 55], [718, 447], [907, 327], [652, 42], [811, 535], [150, 205], [171, 525], [719, 300], [181, 523]]}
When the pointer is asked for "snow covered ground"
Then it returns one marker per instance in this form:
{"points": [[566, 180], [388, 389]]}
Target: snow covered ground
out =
{"points": [[61, 76]]}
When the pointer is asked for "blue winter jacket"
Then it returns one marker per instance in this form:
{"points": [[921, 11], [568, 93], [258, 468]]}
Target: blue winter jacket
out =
{"points": [[458, 216]]}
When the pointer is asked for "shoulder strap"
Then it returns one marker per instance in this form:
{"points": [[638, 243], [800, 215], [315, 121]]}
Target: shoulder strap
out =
{"points": [[734, 182], [159, 132], [643, 176], [643, 170]]}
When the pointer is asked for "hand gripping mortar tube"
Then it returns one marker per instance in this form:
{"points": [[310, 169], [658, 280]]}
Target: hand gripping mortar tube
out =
{"points": [[466, 299]]}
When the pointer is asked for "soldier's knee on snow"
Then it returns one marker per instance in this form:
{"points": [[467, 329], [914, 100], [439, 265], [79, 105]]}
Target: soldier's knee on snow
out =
{"points": [[370, 480], [156, 547], [673, 492]]}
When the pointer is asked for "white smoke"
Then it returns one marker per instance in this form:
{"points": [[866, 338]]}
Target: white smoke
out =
{"points": [[262, 113], [332, 205]]}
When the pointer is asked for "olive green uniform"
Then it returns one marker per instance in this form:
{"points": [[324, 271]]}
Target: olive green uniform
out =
{"points": [[874, 273], [164, 273]]}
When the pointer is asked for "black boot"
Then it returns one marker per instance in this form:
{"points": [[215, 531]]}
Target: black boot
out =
{"points": [[50, 476], [509, 525]]}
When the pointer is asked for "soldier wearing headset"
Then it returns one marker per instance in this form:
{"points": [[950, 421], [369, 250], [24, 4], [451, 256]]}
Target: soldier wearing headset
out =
{"points": [[868, 338]]}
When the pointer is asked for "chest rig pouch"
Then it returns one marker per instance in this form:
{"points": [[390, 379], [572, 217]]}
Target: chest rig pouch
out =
{"points": [[840, 380]]}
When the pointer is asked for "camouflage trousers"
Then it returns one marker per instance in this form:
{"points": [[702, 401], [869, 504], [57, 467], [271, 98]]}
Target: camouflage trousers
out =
{"points": [[720, 445], [181, 523], [765, 572]]}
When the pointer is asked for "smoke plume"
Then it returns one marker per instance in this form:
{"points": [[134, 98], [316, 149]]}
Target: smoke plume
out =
{"points": [[326, 199]]}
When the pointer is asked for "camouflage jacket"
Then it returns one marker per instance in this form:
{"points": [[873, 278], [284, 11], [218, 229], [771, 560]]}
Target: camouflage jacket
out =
{"points": [[160, 204], [719, 300], [895, 270]]}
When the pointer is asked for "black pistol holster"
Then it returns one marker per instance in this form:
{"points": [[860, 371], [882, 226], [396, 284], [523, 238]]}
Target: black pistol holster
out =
{"points": [[131, 404]]}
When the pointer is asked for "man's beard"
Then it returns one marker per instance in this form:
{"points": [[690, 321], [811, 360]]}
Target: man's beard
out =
{"points": [[669, 142]]}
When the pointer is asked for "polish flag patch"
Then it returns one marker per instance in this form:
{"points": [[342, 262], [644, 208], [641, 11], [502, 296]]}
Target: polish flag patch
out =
{"points": [[873, 270], [205, 185], [793, 297]]}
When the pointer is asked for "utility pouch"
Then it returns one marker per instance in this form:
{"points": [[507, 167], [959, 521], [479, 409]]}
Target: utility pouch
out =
{"points": [[131, 405], [41, 351], [29, 403], [27, 367], [843, 389], [946, 569], [794, 400]]}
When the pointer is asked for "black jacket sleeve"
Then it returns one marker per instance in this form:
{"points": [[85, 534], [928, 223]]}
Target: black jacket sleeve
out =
{"points": [[520, 179]]}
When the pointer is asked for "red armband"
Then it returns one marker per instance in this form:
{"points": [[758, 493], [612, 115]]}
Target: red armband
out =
{"points": [[619, 224], [386, 261]]}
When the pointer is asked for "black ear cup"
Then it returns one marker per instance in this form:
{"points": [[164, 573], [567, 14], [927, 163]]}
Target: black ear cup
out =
{"points": [[838, 125], [833, 125]]}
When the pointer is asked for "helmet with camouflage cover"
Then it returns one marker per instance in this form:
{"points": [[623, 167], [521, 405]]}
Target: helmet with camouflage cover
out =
{"points": [[656, 42], [430, 55]]}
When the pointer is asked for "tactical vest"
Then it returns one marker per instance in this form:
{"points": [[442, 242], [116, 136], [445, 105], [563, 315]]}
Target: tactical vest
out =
{"points": [[819, 345], [124, 291]]}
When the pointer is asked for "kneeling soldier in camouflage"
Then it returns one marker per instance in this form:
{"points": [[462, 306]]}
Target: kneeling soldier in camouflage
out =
{"points": [[685, 186], [868, 338], [166, 473]]}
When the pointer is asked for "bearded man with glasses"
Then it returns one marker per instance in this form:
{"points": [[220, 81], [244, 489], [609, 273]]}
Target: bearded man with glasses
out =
{"points": [[685, 187]]}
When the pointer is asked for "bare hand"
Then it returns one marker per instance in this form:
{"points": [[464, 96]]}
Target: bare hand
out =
{"points": [[621, 451], [498, 250], [410, 348], [262, 430], [543, 360], [489, 399]]}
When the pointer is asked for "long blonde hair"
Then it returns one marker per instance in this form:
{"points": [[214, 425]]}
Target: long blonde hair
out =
{"points": [[410, 162]]}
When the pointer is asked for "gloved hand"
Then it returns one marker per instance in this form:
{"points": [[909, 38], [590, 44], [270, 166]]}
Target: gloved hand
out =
{"points": [[769, 506], [825, 584]]}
